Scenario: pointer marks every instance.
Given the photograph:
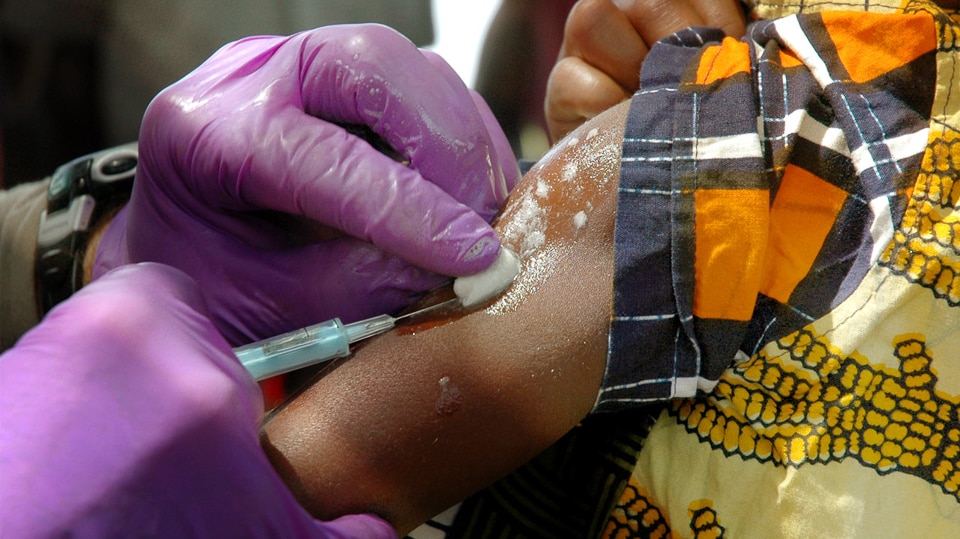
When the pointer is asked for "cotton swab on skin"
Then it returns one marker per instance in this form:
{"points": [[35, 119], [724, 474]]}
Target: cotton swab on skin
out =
{"points": [[480, 287]]}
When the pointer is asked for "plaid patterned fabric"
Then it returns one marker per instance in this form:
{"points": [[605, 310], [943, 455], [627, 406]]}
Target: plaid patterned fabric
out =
{"points": [[758, 187]]}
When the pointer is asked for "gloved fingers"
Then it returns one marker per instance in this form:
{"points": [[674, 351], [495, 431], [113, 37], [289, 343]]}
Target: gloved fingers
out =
{"points": [[371, 75], [254, 124], [150, 413], [360, 191], [576, 92]]}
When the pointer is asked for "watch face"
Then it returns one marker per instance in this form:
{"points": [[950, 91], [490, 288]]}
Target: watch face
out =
{"points": [[68, 181], [60, 183]]}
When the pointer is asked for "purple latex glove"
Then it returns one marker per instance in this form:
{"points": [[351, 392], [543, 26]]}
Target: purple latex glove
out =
{"points": [[125, 414], [249, 184]]}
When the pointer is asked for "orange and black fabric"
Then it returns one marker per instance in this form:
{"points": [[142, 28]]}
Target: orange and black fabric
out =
{"points": [[758, 187]]}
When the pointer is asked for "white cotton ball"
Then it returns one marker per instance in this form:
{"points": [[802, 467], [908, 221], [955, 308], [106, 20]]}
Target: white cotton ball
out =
{"points": [[480, 287]]}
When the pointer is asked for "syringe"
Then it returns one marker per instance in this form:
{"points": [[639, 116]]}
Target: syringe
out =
{"points": [[315, 344]]}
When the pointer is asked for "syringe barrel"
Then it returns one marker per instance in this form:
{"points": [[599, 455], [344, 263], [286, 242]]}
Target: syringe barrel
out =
{"points": [[294, 350]]}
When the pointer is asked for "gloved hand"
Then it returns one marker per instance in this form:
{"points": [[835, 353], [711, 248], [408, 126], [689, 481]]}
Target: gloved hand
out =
{"points": [[125, 414], [604, 43], [248, 183]]}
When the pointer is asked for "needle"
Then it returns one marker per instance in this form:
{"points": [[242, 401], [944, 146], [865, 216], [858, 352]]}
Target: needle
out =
{"points": [[317, 343]]}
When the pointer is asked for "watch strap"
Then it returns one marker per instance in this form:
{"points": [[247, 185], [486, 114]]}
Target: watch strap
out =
{"points": [[81, 192]]}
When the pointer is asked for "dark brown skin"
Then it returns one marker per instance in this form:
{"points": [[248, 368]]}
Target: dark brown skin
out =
{"points": [[423, 416], [604, 43]]}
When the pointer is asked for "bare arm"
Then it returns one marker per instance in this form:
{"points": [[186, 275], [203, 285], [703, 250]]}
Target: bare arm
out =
{"points": [[422, 417]]}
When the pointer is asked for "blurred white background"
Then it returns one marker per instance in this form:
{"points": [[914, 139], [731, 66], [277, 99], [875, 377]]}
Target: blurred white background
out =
{"points": [[459, 28]]}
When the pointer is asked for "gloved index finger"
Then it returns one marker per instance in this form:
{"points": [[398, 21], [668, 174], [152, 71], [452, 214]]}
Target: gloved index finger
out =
{"points": [[318, 170]]}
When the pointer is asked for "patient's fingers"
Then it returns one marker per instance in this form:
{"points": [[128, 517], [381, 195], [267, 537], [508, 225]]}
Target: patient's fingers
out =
{"points": [[604, 36], [656, 19], [605, 43], [727, 15], [576, 92]]}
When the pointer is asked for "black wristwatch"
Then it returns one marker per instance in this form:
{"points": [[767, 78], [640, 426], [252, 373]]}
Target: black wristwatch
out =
{"points": [[80, 193]]}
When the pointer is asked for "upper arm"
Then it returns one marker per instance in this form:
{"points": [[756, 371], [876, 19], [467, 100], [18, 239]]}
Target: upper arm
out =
{"points": [[421, 417]]}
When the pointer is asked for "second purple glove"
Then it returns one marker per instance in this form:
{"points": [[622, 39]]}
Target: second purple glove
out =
{"points": [[248, 182], [125, 414]]}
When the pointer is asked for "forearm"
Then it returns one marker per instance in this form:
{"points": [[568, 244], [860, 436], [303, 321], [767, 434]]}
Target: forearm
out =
{"points": [[415, 422], [20, 210]]}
